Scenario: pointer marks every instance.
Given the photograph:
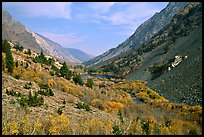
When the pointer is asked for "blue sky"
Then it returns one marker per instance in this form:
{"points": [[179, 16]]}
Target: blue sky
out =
{"points": [[93, 27]]}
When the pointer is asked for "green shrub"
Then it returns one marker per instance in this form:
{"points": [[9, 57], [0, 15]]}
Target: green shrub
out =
{"points": [[145, 126], [17, 77], [18, 47], [26, 65], [12, 101], [59, 111], [120, 116], [43, 86], [83, 106], [117, 130], [89, 82], [46, 92], [31, 101], [27, 86], [13, 93]]}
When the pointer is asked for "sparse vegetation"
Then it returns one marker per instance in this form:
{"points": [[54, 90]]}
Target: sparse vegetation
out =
{"points": [[83, 106], [46, 92], [13, 93], [31, 101]]}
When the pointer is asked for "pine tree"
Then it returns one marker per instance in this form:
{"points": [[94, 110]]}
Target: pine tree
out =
{"points": [[65, 72], [9, 58], [78, 79], [42, 58], [5, 45]]}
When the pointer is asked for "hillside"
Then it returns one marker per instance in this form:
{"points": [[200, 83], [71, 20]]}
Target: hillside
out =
{"points": [[182, 83], [152, 61], [142, 34], [38, 99], [16, 33]]}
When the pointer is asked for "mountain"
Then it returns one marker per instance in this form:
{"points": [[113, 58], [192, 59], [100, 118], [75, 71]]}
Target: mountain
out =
{"points": [[181, 38], [17, 33], [142, 34], [80, 55], [54, 49], [171, 62]]}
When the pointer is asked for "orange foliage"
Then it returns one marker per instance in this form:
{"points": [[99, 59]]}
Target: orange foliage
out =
{"points": [[111, 106], [37, 79], [68, 87], [50, 82], [150, 119], [15, 71]]}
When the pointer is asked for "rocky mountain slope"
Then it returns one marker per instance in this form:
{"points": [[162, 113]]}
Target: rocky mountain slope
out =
{"points": [[143, 33], [172, 59], [17, 33], [54, 49]]}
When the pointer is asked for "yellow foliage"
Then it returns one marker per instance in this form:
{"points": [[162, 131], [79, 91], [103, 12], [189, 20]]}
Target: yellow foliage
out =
{"points": [[15, 71], [96, 102], [150, 119], [37, 79], [28, 74], [26, 125], [68, 87], [111, 106], [151, 130], [59, 125], [136, 128], [95, 126], [164, 131], [50, 82], [4, 63]]}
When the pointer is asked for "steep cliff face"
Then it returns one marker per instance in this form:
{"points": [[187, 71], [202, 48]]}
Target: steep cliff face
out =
{"points": [[143, 33]]}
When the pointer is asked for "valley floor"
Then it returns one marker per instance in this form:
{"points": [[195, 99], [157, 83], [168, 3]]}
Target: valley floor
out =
{"points": [[38, 101]]}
